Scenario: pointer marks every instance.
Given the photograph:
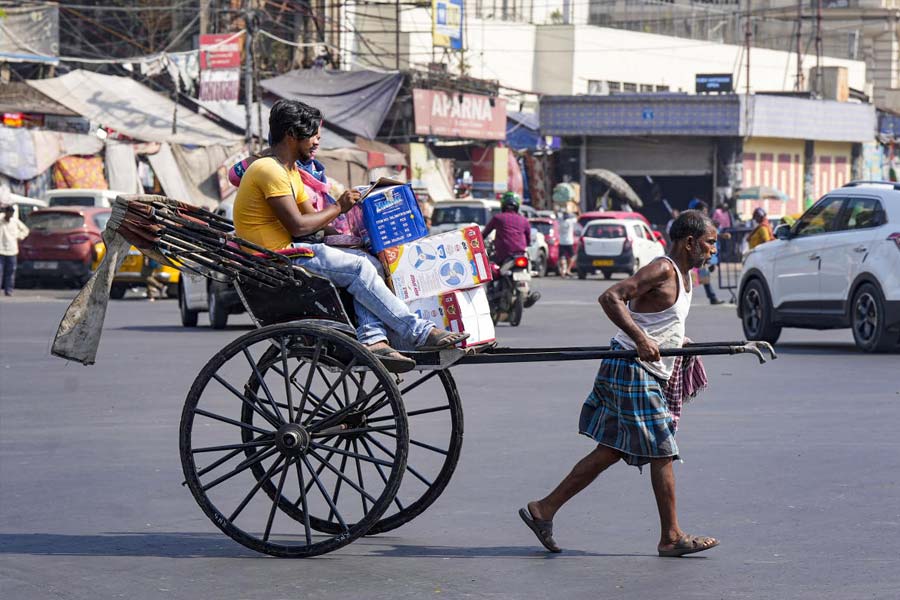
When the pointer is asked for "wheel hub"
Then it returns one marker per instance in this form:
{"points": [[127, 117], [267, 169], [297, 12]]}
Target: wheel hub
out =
{"points": [[292, 439]]}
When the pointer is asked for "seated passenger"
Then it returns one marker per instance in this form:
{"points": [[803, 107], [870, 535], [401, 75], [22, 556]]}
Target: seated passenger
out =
{"points": [[271, 210]]}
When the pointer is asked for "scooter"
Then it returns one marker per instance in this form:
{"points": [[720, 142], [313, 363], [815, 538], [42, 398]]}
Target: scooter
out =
{"points": [[508, 290]]}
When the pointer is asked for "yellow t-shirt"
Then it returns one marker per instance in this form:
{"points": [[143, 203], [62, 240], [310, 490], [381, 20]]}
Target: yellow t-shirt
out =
{"points": [[254, 219]]}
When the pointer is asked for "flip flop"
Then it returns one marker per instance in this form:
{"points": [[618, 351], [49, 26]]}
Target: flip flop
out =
{"points": [[688, 544], [393, 361], [440, 339], [542, 529]]}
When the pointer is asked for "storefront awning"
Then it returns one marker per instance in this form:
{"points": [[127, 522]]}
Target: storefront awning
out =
{"points": [[355, 101], [131, 108]]}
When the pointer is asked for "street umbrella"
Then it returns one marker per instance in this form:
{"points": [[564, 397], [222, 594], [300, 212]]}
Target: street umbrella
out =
{"points": [[617, 186], [762, 192]]}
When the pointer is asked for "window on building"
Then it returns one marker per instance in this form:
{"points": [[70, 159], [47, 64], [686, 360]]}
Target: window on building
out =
{"points": [[662, 88], [614, 86], [629, 87], [597, 87], [646, 87]]}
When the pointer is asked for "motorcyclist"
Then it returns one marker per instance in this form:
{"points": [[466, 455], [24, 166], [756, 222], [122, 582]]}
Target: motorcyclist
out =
{"points": [[513, 234]]}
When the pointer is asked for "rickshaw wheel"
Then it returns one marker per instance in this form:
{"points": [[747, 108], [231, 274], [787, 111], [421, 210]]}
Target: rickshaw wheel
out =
{"points": [[315, 402], [434, 450]]}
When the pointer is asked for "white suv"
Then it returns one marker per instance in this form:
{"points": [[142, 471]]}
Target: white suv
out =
{"points": [[838, 266]]}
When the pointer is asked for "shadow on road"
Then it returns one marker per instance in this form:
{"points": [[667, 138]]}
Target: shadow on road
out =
{"points": [[170, 545], [179, 328], [809, 348], [412, 551]]}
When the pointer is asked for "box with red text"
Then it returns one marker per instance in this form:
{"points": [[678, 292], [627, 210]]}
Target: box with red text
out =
{"points": [[461, 310], [454, 260]]}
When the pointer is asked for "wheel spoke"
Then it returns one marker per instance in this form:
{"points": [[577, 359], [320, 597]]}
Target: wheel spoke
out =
{"points": [[287, 382], [342, 476], [274, 420], [325, 494], [243, 466], [359, 477], [330, 391], [262, 382], [299, 389], [418, 382], [384, 478], [351, 454], [336, 430], [205, 413], [341, 414], [232, 446], [412, 413], [275, 500], [315, 361], [304, 503], [417, 443], [221, 461], [337, 485], [259, 484], [409, 468]]}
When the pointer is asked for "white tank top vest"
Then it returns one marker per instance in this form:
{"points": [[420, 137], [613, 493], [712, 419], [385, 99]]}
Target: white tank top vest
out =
{"points": [[665, 327]]}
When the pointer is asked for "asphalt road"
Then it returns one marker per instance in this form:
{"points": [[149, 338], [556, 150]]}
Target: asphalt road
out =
{"points": [[793, 465]]}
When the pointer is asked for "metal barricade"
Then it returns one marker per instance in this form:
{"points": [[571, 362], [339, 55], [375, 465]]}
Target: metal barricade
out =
{"points": [[731, 243]]}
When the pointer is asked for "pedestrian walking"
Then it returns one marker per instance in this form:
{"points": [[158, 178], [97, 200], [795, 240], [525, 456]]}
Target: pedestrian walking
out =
{"points": [[626, 413], [12, 231], [155, 287], [567, 244], [704, 272]]}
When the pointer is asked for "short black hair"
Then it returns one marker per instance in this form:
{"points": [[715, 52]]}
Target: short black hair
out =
{"points": [[690, 223], [292, 117]]}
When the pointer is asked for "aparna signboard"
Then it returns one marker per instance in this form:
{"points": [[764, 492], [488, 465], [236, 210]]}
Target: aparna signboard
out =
{"points": [[457, 115], [446, 23]]}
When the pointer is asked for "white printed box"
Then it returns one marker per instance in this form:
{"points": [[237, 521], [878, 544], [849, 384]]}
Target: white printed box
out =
{"points": [[460, 310], [454, 260]]}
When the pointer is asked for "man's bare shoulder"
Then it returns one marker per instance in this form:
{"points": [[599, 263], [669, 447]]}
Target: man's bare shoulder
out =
{"points": [[657, 272]]}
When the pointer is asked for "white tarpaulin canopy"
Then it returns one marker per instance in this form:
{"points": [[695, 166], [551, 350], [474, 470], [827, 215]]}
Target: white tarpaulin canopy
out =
{"points": [[131, 108]]}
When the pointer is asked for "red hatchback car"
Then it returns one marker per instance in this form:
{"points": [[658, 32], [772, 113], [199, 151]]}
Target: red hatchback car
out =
{"points": [[550, 228], [64, 245]]}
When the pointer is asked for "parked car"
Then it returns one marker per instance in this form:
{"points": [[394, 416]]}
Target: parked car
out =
{"points": [[64, 244], [587, 217], [454, 214], [130, 276], [838, 266], [79, 197], [549, 228], [615, 246]]}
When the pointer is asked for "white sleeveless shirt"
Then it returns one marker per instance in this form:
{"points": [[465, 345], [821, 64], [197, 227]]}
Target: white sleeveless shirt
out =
{"points": [[665, 327]]}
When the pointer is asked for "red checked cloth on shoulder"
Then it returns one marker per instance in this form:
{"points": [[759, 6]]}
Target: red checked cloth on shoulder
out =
{"points": [[688, 379]]}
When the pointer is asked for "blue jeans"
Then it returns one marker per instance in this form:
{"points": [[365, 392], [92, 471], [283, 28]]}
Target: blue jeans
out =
{"points": [[8, 271], [377, 308]]}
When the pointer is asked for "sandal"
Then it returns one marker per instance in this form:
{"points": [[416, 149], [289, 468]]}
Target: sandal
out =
{"points": [[440, 339], [688, 544], [393, 361], [542, 529]]}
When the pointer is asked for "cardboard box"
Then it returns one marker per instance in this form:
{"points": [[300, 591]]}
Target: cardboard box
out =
{"points": [[461, 310], [390, 215], [454, 260]]}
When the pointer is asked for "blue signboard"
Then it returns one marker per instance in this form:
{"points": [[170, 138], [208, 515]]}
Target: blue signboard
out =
{"points": [[447, 19]]}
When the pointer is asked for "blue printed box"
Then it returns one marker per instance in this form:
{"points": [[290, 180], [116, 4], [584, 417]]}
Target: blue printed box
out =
{"points": [[391, 215]]}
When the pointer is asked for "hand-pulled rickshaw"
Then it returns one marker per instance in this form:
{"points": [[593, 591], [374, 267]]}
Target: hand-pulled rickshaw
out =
{"points": [[294, 439]]}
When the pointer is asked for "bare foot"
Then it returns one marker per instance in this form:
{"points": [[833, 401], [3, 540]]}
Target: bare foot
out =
{"points": [[534, 508]]}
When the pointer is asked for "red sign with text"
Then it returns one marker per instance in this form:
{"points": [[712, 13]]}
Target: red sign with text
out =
{"points": [[220, 51], [459, 115]]}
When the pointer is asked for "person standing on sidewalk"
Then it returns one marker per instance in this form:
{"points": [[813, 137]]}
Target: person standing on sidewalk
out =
{"points": [[12, 231], [626, 413]]}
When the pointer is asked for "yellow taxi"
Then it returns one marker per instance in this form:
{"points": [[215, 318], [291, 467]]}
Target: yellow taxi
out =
{"points": [[129, 276]]}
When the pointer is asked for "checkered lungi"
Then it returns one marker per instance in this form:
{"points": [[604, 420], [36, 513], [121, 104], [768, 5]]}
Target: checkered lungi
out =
{"points": [[627, 410]]}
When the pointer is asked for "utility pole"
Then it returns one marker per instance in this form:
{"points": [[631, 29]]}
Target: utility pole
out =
{"points": [[204, 17], [397, 32], [818, 79], [249, 24], [747, 35], [798, 81]]}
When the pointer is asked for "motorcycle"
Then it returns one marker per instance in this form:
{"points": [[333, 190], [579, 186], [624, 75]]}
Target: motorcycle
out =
{"points": [[508, 290]]}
